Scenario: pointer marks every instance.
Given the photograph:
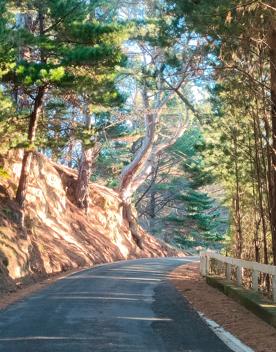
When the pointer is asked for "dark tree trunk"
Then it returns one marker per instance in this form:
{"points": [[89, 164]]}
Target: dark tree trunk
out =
{"points": [[260, 191], [256, 220], [152, 205], [273, 124], [28, 153], [237, 207]]}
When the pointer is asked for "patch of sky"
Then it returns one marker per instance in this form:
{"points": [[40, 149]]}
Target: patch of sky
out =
{"points": [[132, 13]]}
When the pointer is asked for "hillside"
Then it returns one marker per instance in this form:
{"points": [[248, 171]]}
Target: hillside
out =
{"points": [[58, 236]]}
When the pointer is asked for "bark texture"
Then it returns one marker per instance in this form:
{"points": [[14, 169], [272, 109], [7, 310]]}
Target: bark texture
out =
{"points": [[129, 214], [25, 21], [141, 167], [28, 153], [273, 123], [89, 157]]}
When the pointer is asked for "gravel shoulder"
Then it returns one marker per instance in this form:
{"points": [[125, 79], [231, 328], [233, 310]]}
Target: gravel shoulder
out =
{"points": [[236, 319]]}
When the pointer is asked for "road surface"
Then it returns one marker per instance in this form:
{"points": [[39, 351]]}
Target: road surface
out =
{"points": [[124, 307]]}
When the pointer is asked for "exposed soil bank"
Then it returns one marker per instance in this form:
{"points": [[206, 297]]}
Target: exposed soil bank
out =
{"points": [[57, 235]]}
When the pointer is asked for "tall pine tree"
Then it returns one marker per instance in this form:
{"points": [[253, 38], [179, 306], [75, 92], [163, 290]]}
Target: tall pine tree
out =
{"points": [[56, 47]]}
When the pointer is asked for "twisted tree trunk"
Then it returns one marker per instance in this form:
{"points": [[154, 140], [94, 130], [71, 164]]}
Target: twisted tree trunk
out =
{"points": [[127, 188], [135, 174]]}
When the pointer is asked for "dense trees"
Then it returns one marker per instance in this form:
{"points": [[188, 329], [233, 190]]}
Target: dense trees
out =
{"points": [[243, 40], [112, 86], [180, 202], [57, 53]]}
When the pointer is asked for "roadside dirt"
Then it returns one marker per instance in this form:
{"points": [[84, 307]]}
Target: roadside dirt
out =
{"points": [[57, 236], [236, 319]]}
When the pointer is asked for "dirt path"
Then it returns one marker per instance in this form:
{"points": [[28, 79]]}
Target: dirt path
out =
{"points": [[251, 330]]}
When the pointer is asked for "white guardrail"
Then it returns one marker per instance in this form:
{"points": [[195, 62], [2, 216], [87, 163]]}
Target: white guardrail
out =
{"points": [[240, 264]]}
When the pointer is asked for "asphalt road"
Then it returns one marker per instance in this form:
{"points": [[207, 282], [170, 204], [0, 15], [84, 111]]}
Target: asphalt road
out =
{"points": [[123, 307]]}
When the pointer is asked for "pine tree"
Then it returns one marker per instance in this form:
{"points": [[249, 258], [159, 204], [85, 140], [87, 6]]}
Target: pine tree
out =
{"points": [[242, 35], [175, 202], [56, 49]]}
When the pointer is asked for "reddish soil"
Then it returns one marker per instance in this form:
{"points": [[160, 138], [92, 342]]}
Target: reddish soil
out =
{"points": [[57, 236], [236, 319]]}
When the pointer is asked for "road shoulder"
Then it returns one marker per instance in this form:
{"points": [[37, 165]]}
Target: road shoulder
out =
{"points": [[25, 289], [223, 310]]}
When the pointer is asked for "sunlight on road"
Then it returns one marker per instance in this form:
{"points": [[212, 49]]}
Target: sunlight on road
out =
{"points": [[145, 319]]}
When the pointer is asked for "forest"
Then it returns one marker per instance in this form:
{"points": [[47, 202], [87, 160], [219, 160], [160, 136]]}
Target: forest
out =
{"points": [[170, 103]]}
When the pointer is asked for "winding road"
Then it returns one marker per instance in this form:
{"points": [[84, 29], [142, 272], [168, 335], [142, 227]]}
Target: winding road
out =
{"points": [[124, 307]]}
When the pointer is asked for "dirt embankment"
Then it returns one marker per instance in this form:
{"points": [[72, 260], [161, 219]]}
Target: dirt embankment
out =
{"points": [[58, 236]]}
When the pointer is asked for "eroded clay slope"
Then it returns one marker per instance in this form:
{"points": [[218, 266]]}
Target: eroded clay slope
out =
{"points": [[58, 236]]}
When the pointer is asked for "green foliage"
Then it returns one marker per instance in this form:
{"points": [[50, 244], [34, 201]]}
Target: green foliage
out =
{"points": [[72, 49], [191, 147], [237, 131], [55, 45], [193, 217]]}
